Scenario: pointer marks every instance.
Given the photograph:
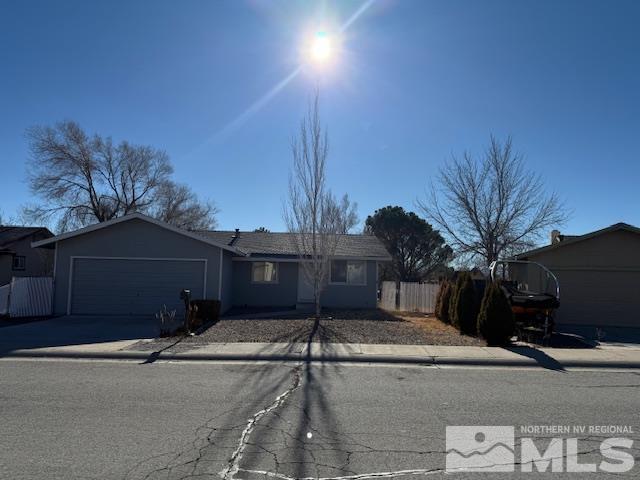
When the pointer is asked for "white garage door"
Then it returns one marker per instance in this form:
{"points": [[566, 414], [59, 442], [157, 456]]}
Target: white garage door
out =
{"points": [[116, 286]]}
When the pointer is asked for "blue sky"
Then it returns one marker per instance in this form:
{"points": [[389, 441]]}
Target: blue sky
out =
{"points": [[414, 82]]}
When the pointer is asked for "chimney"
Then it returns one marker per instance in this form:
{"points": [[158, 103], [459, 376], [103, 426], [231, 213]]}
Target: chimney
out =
{"points": [[235, 236], [555, 236]]}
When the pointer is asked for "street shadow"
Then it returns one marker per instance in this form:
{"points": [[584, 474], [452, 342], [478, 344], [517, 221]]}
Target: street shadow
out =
{"points": [[314, 430], [541, 358], [156, 354], [282, 433]]}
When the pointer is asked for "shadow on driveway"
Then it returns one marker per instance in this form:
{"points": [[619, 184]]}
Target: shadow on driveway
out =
{"points": [[75, 330]]}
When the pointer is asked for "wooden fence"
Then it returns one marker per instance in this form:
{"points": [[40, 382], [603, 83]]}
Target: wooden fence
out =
{"points": [[410, 297], [388, 296]]}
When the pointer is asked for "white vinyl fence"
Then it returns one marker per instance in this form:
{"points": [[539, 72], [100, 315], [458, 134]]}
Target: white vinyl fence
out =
{"points": [[410, 297], [27, 297]]}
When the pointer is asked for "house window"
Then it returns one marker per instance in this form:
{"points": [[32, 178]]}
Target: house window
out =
{"points": [[349, 272], [19, 262], [264, 272]]}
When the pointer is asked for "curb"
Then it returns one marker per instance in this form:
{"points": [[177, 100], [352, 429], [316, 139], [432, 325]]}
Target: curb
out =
{"points": [[150, 357]]}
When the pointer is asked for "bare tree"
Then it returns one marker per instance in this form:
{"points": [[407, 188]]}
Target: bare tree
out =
{"points": [[312, 213], [491, 207], [13, 220], [82, 180], [178, 205]]}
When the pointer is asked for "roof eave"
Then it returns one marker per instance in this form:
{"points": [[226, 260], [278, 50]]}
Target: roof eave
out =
{"points": [[578, 238], [133, 216]]}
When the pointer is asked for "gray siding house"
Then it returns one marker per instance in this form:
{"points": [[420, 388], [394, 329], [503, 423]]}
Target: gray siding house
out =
{"points": [[135, 264], [598, 273], [17, 258]]}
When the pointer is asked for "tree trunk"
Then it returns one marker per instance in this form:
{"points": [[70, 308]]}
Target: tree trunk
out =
{"points": [[317, 297]]}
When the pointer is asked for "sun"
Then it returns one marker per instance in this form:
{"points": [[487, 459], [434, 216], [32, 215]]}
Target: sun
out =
{"points": [[321, 48]]}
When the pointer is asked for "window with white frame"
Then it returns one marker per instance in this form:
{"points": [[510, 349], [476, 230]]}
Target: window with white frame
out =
{"points": [[264, 272], [19, 262], [348, 272]]}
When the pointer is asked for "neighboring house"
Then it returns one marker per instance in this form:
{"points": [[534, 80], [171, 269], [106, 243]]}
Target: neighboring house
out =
{"points": [[133, 265], [18, 259], [598, 273]]}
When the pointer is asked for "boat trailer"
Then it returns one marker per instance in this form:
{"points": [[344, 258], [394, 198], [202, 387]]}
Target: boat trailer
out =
{"points": [[533, 292]]}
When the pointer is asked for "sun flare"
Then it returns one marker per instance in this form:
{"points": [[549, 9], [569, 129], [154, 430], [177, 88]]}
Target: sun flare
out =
{"points": [[321, 48]]}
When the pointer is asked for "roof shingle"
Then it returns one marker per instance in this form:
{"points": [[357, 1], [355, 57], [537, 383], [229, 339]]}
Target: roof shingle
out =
{"points": [[10, 234], [281, 243]]}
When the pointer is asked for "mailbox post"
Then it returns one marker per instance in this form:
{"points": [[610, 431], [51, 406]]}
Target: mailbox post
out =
{"points": [[185, 296]]}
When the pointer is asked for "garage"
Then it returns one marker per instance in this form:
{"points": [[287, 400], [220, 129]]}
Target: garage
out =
{"points": [[133, 286], [598, 273], [599, 297], [133, 265]]}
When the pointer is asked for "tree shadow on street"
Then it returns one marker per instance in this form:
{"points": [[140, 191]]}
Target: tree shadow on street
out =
{"points": [[278, 441]]}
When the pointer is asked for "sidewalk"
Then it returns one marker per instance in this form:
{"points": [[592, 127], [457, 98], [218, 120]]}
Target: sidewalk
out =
{"points": [[550, 358]]}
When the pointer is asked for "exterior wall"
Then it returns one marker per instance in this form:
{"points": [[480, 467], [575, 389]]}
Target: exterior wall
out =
{"points": [[5, 269], [281, 294], [285, 292], [134, 238], [38, 261], [599, 279], [353, 296], [227, 281]]}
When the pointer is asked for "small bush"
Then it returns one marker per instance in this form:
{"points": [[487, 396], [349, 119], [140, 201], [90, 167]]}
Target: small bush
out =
{"points": [[465, 306], [451, 305], [206, 310], [442, 309], [495, 320], [167, 320]]}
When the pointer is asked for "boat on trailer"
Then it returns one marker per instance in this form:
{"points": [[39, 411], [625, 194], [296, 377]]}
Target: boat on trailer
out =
{"points": [[533, 292]]}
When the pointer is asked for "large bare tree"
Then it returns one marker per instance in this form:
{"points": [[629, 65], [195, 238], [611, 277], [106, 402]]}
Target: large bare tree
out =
{"points": [[493, 206], [314, 216], [81, 180], [177, 204]]}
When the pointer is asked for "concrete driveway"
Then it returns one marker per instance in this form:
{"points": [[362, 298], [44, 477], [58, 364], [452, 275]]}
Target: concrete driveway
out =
{"points": [[614, 336], [75, 330]]}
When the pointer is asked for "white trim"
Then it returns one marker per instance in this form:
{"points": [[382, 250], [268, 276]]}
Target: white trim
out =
{"points": [[299, 260], [133, 216], [347, 284], [69, 286], [259, 282], [220, 278], [204, 279], [54, 281], [55, 260], [173, 259], [93, 257]]}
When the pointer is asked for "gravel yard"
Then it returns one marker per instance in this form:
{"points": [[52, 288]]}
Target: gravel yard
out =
{"points": [[362, 326]]}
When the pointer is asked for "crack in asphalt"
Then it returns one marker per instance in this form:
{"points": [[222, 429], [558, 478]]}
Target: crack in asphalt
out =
{"points": [[342, 445], [233, 467]]}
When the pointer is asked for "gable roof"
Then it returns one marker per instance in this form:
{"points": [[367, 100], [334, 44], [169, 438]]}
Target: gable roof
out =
{"points": [[571, 239], [244, 243], [10, 234], [282, 243], [136, 216]]}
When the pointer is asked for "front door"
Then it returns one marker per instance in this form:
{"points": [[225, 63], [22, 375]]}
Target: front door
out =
{"points": [[305, 289]]}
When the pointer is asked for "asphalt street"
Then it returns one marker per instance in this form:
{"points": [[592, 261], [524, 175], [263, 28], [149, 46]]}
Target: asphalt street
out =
{"points": [[124, 420]]}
